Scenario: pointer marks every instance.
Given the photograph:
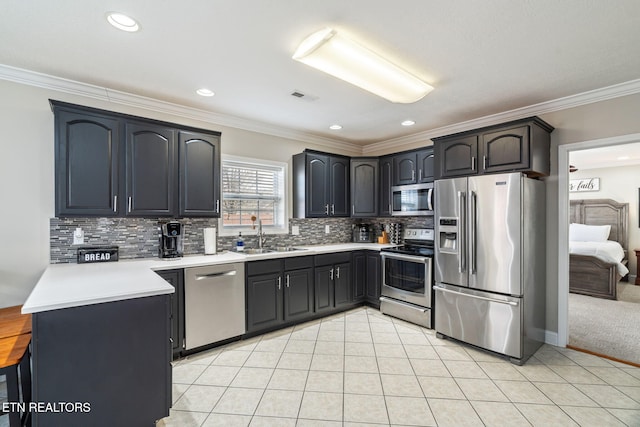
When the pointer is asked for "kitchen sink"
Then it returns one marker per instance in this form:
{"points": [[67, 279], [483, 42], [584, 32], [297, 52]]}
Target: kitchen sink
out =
{"points": [[286, 249], [257, 251]]}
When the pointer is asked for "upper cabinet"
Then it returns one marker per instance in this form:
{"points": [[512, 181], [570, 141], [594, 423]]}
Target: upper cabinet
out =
{"points": [[521, 145], [413, 167], [200, 166], [386, 182], [364, 187], [110, 164], [87, 147], [320, 185], [151, 153]]}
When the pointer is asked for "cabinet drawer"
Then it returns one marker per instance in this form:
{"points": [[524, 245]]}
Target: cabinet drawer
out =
{"points": [[263, 267], [335, 258], [297, 263]]}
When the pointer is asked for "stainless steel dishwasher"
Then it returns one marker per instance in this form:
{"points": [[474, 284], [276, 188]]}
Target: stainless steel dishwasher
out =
{"points": [[214, 304]]}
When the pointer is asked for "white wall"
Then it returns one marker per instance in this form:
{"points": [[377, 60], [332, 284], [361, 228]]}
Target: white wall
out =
{"points": [[27, 175], [603, 119], [620, 184]]}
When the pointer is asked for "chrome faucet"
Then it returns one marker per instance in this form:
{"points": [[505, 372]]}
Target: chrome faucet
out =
{"points": [[261, 238]]}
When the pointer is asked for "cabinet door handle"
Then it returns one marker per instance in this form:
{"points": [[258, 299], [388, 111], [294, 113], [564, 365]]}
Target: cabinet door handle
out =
{"points": [[287, 281], [337, 272], [353, 209], [279, 282], [115, 203], [129, 204], [420, 175], [218, 206], [331, 274], [326, 209], [413, 175], [473, 163], [333, 209], [484, 162]]}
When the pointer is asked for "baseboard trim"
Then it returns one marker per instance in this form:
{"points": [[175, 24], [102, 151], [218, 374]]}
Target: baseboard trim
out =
{"points": [[604, 356], [551, 338]]}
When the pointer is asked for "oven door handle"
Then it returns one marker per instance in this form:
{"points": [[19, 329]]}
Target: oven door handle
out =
{"points": [[411, 258]]}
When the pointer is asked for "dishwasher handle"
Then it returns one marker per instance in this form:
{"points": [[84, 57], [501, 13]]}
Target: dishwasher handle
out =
{"points": [[214, 275]]}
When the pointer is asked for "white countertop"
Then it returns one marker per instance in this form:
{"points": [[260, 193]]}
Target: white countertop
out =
{"points": [[75, 285]]}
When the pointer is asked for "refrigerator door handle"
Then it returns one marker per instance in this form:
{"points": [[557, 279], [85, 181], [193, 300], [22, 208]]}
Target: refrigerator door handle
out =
{"points": [[499, 301], [462, 259], [473, 231]]}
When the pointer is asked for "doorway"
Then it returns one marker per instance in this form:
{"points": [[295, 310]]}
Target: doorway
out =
{"points": [[563, 223]]}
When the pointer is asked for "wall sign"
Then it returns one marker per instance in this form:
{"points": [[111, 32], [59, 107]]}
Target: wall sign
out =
{"points": [[585, 184]]}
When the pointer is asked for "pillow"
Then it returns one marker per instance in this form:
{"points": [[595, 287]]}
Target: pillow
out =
{"points": [[588, 233]]}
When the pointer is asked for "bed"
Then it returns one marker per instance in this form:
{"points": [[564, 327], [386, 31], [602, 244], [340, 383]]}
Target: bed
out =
{"points": [[591, 270]]}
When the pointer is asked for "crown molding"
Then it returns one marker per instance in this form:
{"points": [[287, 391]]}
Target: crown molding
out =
{"points": [[597, 95], [46, 81]]}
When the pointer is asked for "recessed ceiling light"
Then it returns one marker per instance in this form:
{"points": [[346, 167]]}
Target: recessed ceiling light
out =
{"points": [[123, 22], [335, 127], [408, 123], [205, 92]]}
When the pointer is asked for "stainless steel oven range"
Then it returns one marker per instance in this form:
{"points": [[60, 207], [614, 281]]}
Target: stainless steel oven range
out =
{"points": [[407, 278]]}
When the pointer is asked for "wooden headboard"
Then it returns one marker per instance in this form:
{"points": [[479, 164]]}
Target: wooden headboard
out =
{"points": [[603, 212]]}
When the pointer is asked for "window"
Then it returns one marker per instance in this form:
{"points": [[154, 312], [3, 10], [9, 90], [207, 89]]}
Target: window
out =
{"points": [[253, 188]]}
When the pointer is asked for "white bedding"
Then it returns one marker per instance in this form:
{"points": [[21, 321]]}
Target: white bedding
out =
{"points": [[608, 251]]}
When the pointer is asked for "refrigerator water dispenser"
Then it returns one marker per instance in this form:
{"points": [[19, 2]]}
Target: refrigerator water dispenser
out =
{"points": [[448, 235]]}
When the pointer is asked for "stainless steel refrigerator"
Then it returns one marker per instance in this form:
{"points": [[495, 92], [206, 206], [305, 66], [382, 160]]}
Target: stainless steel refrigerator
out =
{"points": [[490, 273]]}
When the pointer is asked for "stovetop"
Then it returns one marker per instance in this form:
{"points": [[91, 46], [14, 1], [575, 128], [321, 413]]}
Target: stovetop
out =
{"points": [[417, 241]]}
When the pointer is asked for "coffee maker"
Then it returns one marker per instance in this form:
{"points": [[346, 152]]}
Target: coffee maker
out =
{"points": [[171, 239]]}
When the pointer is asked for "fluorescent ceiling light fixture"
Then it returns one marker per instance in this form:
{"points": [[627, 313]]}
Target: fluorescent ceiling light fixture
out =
{"points": [[624, 158], [408, 123], [122, 22], [335, 127], [345, 59], [205, 92]]}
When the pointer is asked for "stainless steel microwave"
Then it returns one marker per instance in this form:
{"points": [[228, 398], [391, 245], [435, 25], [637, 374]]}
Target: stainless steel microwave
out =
{"points": [[413, 199]]}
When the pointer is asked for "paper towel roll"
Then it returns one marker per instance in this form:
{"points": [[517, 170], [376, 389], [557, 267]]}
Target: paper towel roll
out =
{"points": [[209, 241]]}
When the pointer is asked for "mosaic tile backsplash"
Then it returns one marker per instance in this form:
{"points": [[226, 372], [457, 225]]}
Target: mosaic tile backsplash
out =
{"points": [[138, 237]]}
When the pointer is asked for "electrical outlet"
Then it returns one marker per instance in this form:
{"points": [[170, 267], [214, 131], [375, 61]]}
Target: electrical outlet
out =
{"points": [[295, 230], [327, 229], [78, 236]]}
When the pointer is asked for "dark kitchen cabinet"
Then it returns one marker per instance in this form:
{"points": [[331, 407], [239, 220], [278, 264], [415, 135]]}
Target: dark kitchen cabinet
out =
{"points": [[176, 279], [278, 291], [321, 185], [150, 162], [87, 148], [386, 182], [111, 164], [367, 277], [521, 145], [365, 184], [200, 166], [109, 355], [413, 167], [332, 281]]}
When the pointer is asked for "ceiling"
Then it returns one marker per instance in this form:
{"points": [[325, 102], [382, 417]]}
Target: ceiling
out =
{"points": [[606, 157], [482, 57]]}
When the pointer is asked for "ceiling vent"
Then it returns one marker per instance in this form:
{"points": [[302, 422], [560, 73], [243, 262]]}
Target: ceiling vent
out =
{"points": [[304, 96]]}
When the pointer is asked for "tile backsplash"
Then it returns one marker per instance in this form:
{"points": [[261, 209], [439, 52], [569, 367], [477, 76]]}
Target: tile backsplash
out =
{"points": [[138, 237]]}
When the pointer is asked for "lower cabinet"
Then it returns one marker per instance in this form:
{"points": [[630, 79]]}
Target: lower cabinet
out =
{"points": [[114, 356], [176, 279], [332, 281], [278, 291], [367, 277]]}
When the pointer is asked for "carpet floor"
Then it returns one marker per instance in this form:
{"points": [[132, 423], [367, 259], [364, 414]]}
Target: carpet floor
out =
{"points": [[607, 327]]}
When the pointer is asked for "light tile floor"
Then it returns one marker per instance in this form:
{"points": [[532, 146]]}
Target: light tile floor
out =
{"points": [[363, 368]]}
